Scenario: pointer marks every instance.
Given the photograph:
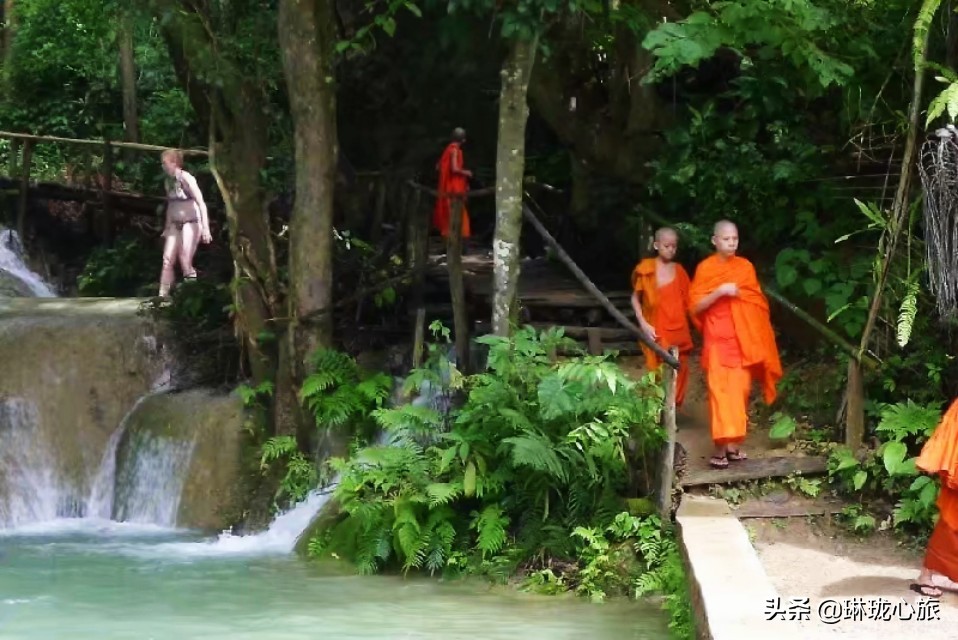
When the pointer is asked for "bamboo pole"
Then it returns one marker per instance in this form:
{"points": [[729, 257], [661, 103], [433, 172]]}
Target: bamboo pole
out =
{"points": [[854, 393], [583, 279], [667, 470], [10, 135]]}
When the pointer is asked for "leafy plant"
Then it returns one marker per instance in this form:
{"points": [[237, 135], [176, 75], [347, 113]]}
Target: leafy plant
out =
{"points": [[536, 449]]}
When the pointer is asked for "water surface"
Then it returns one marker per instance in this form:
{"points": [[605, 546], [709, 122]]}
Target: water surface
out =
{"points": [[79, 579]]}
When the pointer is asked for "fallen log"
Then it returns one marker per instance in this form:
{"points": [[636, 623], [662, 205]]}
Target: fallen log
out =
{"points": [[756, 469]]}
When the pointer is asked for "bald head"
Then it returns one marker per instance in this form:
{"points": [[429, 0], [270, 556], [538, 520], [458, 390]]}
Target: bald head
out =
{"points": [[725, 238], [665, 232], [458, 134], [723, 225]]}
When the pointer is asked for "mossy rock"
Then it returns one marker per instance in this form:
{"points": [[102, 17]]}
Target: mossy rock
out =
{"points": [[12, 287]]}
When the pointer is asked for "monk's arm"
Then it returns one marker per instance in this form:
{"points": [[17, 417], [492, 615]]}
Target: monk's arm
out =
{"points": [[637, 307], [707, 301], [457, 165]]}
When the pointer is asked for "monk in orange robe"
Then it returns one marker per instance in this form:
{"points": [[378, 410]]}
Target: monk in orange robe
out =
{"points": [[940, 456], [660, 300], [728, 305], [452, 179]]}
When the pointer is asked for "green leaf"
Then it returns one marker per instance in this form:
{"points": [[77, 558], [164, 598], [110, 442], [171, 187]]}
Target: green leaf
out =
{"points": [[389, 26], [859, 480], [928, 494], [469, 480], [812, 286], [894, 456], [783, 428]]}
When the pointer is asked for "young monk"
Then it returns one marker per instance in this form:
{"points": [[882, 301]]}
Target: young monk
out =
{"points": [[739, 345], [660, 300], [453, 178], [940, 456]]}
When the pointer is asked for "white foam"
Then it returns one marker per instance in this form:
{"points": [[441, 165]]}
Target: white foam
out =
{"points": [[11, 261]]}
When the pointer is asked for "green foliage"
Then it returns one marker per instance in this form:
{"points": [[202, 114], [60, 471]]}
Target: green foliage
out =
{"points": [[301, 475], [127, 269], [338, 392], [890, 470], [537, 448], [796, 30]]}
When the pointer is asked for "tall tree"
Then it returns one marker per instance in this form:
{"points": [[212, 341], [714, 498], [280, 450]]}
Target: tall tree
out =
{"points": [[124, 34], [307, 39]]}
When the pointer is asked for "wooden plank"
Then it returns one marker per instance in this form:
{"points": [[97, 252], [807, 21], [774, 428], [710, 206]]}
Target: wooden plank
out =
{"points": [[755, 469], [762, 509]]}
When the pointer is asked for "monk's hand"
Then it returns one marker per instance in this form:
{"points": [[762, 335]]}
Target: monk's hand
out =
{"points": [[650, 331], [729, 289]]}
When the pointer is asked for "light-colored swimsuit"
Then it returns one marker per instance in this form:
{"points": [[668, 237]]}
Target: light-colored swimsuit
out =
{"points": [[181, 208]]}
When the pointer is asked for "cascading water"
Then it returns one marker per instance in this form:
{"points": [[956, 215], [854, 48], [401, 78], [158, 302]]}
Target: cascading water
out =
{"points": [[12, 263]]}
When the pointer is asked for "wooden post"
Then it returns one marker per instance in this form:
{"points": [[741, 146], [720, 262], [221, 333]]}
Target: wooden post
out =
{"points": [[417, 238], [457, 290], [106, 188], [24, 189], [667, 471]]}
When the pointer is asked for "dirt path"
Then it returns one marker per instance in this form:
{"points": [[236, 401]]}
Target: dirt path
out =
{"points": [[821, 563]]}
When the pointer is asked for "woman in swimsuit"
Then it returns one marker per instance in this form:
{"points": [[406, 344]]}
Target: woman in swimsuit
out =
{"points": [[187, 223]]}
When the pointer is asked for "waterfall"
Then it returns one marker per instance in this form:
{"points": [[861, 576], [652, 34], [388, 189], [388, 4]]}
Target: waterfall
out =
{"points": [[149, 490], [11, 262], [34, 491]]}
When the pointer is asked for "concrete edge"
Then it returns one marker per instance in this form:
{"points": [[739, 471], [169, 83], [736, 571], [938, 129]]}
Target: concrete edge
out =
{"points": [[729, 587]]}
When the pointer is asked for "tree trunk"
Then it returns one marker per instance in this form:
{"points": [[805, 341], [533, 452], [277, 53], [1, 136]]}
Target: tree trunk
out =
{"points": [[854, 393], [307, 38], [9, 31], [510, 169], [128, 76]]}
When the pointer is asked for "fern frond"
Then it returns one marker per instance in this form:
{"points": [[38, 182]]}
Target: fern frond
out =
{"points": [[536, 451], [926, 15], [907, 314], [490, 525]]}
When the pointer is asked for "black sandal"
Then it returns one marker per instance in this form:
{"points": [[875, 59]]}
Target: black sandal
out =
{"points": [[922, 589], [718, 462]]}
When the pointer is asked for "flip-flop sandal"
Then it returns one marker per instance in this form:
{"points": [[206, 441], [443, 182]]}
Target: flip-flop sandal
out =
{"points": [[736, 456], [718, 462], [927, 590]]}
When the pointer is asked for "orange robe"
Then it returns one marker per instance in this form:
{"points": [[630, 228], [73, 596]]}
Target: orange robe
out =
{"points": [[450, 182], [940, 456], [666, 309], [739, 344]]}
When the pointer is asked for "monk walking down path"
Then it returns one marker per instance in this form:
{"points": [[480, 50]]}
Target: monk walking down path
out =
{"points": [[453, 179], [940, 456], [660, 300], [728, 304]]}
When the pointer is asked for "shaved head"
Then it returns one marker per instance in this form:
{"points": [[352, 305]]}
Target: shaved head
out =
{"points": [[458, 134], [664, 232], [721, 225]]}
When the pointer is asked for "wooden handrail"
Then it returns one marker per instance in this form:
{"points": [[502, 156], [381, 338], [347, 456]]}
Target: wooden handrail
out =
{"points": [[10, 135]]}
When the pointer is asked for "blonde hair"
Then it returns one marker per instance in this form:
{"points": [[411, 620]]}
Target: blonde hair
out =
{"points": [[175, 155]]}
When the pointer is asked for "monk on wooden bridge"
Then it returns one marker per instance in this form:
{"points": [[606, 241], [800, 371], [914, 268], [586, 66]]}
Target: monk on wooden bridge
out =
{"points": [[453, 179], [940, 456], [728, 305], [660, 300]]}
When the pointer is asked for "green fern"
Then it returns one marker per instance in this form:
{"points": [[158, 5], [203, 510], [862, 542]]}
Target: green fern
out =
{"points": [[908, 312], [926, 15], [490, 525]]}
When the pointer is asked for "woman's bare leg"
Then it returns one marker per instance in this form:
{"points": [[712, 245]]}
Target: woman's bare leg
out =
{"points": [[170, 247], [190, 236]]}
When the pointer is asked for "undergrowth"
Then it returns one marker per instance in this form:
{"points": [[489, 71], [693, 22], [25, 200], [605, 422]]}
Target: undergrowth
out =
{"points": [[522, 476]]}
